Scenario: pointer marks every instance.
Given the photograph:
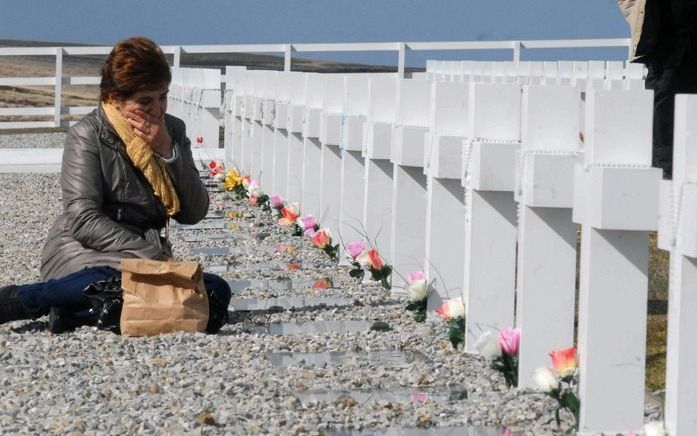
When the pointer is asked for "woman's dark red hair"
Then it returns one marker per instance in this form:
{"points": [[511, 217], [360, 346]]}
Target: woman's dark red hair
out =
{"points": [[133, 65]]}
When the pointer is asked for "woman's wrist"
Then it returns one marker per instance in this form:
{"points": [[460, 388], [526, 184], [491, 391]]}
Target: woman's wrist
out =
{"points": [[165, 148], [171, 157]]}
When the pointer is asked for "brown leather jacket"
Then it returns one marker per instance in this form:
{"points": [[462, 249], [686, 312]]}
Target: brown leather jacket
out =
{"points": [[107, 203]]}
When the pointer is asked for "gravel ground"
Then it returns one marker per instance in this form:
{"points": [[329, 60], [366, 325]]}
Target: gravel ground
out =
{"points": [[32, 140], [94, 382]]}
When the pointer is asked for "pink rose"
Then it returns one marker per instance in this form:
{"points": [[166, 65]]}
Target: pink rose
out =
{"points": [[276, 201], [355, 248], [419, 275], [509, 339], [322, 238], [309, 221]]}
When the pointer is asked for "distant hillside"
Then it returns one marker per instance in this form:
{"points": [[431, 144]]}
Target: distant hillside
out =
{"points": [[44, 66], [219, 60]]}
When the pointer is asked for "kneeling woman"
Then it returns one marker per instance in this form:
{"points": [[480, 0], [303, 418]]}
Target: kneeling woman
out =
{"points": [[127, 169]]}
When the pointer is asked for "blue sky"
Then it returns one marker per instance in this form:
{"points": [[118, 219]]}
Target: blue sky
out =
{"points": [[278, 21]]}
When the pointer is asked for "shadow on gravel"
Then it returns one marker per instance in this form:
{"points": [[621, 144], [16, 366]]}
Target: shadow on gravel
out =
{"points": [[31, 327]]}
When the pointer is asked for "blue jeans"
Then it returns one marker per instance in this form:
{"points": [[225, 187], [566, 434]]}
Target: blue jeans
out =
{"points": [[66, 293]]}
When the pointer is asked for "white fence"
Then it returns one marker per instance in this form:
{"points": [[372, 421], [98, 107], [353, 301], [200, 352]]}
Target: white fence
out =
{"points": [[480, 179], [194, 96], [59, 79]]}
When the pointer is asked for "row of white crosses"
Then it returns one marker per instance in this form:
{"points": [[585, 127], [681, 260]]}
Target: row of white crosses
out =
{"points": [[611, 74], [482, 184], [195, 96], [678, 234]]}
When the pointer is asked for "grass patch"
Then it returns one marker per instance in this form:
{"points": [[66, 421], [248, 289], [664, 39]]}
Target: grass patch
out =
{"points": [[656, 330], [657, 323]]}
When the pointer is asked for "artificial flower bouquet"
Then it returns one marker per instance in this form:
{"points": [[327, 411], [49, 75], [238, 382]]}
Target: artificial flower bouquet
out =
{"points": [[561, 382], [353, 250], [453, 313], [305, 225], [289, 213], [323, 283], [417, 287], [502, 351], [216, 169], [322, 239], [235, 183], [379, 271], [256, 196], [277, 203]]}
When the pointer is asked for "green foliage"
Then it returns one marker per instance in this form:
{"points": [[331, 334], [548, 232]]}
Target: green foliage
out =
{"points": [[357, 272], [382, 276], [456, 331], [508, 366], [297, 230], [239, 192], [418, 308], [566, 399], [263, 202], [332, 251]]}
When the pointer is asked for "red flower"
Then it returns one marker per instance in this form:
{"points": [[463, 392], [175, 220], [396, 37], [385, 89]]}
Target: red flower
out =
{"points": [[287, 214], [442, 312], [215, 167], [375, 260], [199, 139], [321, 239], [564, 361], [323, 283]]}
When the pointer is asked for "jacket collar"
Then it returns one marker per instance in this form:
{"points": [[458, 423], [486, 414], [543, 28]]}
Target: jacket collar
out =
{"points": [[107, 134]]}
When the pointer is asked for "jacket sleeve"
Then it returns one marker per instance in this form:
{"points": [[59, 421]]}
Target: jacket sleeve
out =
{"points": [[81, 184], [626, 7], [193, 196]]}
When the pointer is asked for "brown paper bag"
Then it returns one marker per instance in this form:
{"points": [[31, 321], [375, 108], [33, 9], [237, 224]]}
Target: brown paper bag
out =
{"points": [[162, 297]]}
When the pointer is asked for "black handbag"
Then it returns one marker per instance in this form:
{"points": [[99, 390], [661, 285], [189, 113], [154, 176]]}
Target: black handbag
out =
{"points": [[106, 299]]}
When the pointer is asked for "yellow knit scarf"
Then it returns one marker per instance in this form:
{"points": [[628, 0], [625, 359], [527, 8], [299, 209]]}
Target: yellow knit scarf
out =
{"points": [[144, 159]]}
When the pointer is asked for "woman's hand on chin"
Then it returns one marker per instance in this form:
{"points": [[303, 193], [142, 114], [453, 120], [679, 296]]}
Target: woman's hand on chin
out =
{"points": [[151, 129]]}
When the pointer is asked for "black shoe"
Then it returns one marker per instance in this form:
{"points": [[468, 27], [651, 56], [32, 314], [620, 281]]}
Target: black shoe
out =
{"points": [[62, 320], [11, 308]]}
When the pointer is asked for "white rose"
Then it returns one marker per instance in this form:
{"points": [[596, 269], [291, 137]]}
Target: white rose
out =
{"points": [[654, 428], [457, 307], [294, 208], [546, 379], [256, 192], [418, 290], [488, 345], [299, 222], [220, 177], [364, 260]]}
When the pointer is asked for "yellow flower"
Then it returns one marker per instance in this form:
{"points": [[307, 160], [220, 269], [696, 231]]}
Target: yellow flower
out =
{"points": [[232, 179]]}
